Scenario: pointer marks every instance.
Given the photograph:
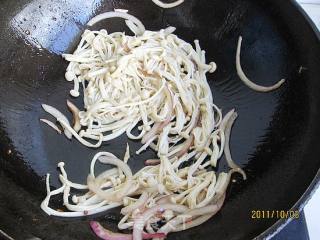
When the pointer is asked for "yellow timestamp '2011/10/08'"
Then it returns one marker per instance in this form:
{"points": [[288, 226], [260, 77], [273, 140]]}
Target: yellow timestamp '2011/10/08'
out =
{"points": [[278, 214]]}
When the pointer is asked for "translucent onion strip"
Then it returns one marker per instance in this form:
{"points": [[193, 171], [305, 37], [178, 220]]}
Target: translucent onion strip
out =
{"points": [[167, 5], [246, 80], [227, 151], [51, 124], [58, 115], [131, 18]]}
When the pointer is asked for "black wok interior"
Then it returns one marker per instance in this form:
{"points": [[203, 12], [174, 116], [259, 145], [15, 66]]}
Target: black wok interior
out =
{"points": [[275, 138]]}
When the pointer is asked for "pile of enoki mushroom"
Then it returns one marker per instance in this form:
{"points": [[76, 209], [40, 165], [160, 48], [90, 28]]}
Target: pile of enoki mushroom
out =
{"points": [[154, 83]]}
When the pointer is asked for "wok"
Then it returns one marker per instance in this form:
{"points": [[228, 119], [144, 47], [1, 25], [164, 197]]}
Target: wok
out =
{"points": [[275, 139]]}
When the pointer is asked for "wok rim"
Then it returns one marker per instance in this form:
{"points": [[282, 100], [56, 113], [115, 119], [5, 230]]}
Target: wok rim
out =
{"points": [[300, 204]]}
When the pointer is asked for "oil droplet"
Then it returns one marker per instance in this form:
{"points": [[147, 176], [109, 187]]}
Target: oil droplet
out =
{"points": [[27, 32]]}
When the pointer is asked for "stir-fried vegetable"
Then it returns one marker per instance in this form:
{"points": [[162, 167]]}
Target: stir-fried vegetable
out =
{"points": [[155, 193], [155, 82]]}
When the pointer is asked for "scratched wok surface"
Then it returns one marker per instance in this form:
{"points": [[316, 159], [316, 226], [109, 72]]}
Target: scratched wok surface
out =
{"points": [[275, 139]]}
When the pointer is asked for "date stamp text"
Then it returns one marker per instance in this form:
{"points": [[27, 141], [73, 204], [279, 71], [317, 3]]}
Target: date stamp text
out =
{"points": [[275, 214]]}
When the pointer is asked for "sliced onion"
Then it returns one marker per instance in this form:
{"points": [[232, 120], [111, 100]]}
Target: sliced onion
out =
{"points": [[227, 152], [118, 14], [226, 119], [153, 235], [167, 5], [58, 115], [246, 80], [152, 162], [51, 124], [75, 113], [106, 234]]}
